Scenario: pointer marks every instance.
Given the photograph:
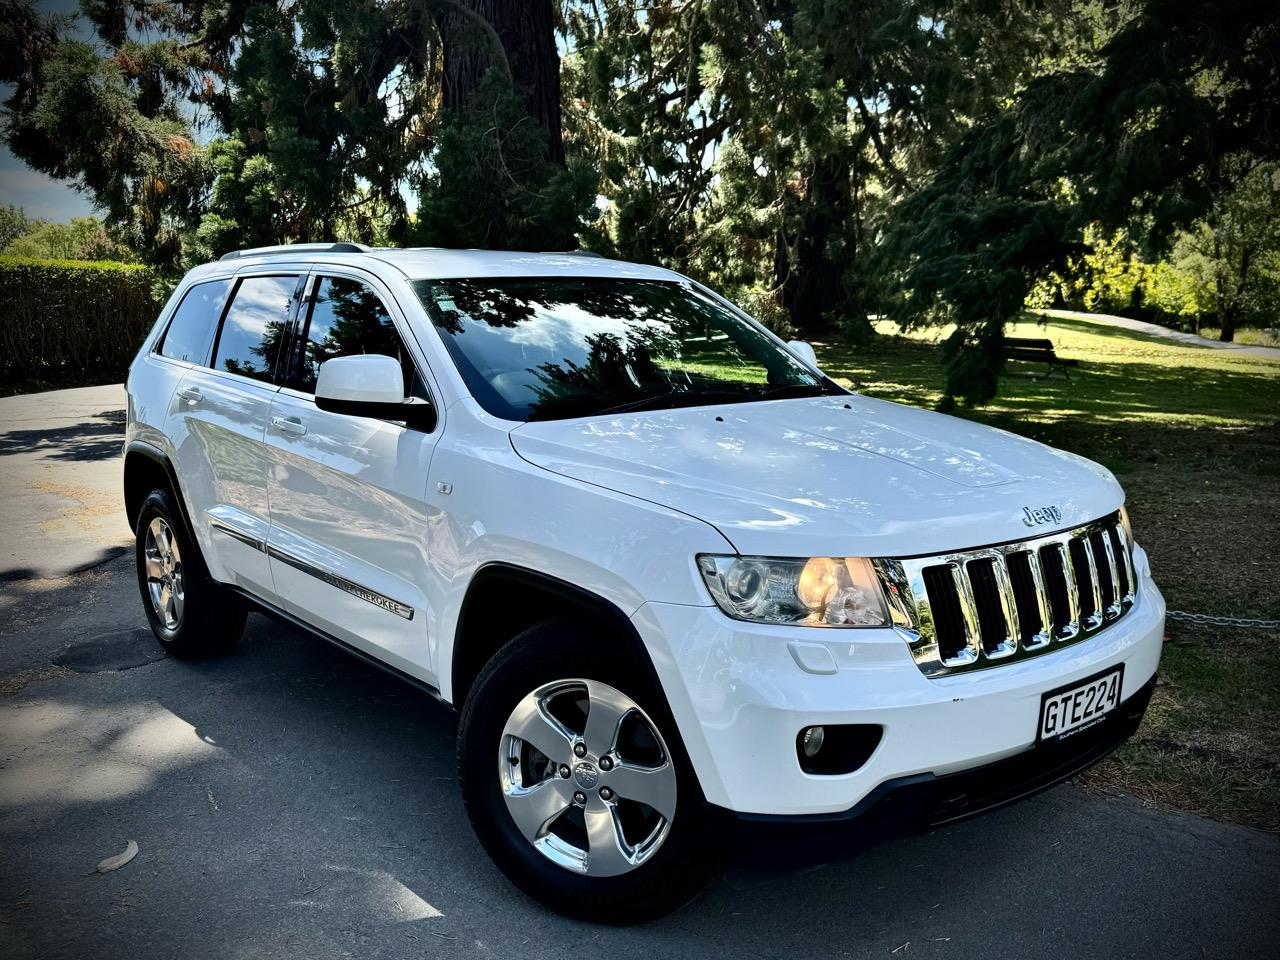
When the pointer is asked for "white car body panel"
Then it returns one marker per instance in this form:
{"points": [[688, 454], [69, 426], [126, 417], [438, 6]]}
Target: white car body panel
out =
{"points": [[219, 446], [348, 498], [502, 509], [828, 476], [619, 507]]}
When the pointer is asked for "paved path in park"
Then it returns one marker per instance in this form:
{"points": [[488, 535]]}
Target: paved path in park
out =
{"points": [[1155, 330], [288, 801]]}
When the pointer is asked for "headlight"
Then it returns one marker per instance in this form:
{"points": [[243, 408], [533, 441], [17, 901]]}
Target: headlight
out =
{"points": [[820, 592]]}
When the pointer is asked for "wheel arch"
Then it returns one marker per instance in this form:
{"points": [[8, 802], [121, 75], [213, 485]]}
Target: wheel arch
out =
{"points": [[147, 468], [503, 598]]}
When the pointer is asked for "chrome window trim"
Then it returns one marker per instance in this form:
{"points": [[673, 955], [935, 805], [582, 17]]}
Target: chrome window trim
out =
{"points": [[902, 582]]}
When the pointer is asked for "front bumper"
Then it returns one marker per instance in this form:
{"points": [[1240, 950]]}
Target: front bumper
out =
{"points": [[917, 804], [740, 693]]}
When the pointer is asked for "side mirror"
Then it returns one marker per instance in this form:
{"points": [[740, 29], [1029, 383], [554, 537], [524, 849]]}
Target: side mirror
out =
{"points": [[804, 350], [369, 385]]}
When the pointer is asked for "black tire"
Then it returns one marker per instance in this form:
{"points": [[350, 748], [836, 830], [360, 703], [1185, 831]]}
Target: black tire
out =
{"points": [[210, 619], [677, 870]]}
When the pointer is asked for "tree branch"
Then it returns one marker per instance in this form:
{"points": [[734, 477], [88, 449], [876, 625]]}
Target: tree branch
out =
{"points": [[873, 130]]}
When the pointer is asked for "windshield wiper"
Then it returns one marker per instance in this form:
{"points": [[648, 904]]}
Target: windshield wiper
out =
{"points": [[789, 390], [698, 398], [665, 401]]}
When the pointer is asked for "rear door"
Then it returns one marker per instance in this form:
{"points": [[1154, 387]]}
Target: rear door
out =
{"points": [[349, 521], [219, 415]]}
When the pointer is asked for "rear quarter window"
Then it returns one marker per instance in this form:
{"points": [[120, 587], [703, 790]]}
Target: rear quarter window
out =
{"points": [[190, 332]]}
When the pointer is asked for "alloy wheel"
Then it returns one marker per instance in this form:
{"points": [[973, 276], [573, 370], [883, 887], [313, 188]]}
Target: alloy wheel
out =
{"points": [[164, 573], [587, 777]]}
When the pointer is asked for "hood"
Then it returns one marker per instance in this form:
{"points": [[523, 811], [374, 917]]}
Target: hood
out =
{"points": [[830, 476]]}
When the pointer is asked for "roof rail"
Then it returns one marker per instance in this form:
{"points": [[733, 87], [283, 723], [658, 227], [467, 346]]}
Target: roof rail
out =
{"points": [[580, 253], [342, 247]]}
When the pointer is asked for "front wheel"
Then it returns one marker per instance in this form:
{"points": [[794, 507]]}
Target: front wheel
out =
{"points": [[577, 784]]}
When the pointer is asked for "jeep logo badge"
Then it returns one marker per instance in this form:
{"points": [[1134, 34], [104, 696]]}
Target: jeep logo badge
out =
{"points": [[587, 775], [1034, 516]]}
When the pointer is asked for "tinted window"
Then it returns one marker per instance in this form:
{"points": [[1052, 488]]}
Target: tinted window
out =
{"points": [[190, 332], [550, 348], [256, 322], [348, 318]]}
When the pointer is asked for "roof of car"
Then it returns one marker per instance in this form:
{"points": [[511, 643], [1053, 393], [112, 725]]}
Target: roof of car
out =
{"points": [[435, 263], [424, 263]]}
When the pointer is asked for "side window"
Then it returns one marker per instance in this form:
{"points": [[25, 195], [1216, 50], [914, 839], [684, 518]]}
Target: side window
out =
{"points": [[347, 318], [255, 326], [191, 330]]}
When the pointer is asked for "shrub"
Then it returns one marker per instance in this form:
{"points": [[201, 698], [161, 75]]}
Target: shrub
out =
{"points": [[72, 321]]}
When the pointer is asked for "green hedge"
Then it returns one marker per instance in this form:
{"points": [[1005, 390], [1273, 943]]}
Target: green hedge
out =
{"points": [[68, 321]]}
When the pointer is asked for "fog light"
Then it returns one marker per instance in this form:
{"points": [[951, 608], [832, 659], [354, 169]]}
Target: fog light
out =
{"points": [[837, 748], [811, 740]]}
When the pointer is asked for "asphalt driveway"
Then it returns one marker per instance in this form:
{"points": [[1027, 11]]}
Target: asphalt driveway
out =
{"points": [[288, 801]]}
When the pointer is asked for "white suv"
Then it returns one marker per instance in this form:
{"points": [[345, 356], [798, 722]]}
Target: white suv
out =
{"points": [[688, 593]]}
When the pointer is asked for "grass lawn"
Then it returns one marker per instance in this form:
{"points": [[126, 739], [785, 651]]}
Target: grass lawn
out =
{"points": [[1194, 436]]}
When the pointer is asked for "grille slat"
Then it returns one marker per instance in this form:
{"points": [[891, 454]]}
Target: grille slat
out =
{"points": [[979, 608], [1061, 588], [986, 597], [1086, 573], [944, 604], [1108, 577], [1124, 574], [1030, 599]]}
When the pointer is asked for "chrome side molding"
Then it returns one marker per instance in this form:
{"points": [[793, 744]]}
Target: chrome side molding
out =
{"points": [[226, 526], [342, 583], [223, 525]]}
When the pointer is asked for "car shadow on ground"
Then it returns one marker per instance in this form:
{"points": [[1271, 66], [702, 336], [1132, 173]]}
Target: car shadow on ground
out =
{"points": [[95, 438], [289, 793]]}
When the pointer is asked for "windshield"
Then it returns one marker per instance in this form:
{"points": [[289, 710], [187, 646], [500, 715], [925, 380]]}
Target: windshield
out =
{"points": [[550, 348]]}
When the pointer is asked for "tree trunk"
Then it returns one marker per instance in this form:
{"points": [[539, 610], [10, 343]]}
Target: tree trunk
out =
{"points": [[1228, 333], [811, 283], [525, 30], [1231, 310]]}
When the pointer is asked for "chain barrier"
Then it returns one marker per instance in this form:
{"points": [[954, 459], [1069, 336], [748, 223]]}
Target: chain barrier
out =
{"points": [[1210, 620]]}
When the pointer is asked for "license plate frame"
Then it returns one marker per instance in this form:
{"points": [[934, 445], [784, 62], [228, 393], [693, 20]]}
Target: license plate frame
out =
{"points": [[1073, 694]]}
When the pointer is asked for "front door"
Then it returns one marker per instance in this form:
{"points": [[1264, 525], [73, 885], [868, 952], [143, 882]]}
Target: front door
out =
{"points": [[221, 411], [349, 525]]}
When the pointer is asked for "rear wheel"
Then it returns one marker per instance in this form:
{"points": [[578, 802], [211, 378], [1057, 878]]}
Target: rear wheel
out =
{"points": [[189, 614], [577, 784]]}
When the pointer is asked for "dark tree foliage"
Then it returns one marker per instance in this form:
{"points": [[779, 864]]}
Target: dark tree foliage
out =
{"points": [[498, 179], [1146, 136], [822, 162], [199, 126], [760, 143]]}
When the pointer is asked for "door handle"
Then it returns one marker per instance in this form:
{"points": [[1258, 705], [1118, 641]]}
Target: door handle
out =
{"points": [[289, 425], [191, 395]]}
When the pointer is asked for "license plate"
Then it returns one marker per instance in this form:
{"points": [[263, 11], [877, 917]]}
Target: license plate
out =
{"points": [[1071, 709]]}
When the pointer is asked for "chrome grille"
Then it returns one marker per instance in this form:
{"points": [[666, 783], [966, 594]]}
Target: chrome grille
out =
{"points": [[978, 608]]}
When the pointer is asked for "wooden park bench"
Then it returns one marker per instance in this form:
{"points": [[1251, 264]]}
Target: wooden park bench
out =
{"points": [[1038, 351]]}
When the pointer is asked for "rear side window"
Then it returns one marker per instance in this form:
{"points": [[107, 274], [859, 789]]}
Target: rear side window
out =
{"points": [[256, 323], [191, 330], [348, 318]]}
